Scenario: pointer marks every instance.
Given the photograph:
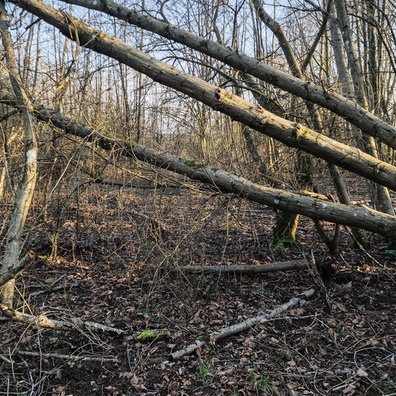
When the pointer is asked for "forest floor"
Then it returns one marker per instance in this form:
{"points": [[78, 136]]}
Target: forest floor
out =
{"points": [[116, 264]]}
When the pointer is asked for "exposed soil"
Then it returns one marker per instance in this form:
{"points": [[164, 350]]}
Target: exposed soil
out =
{"points": [[115, 265]]}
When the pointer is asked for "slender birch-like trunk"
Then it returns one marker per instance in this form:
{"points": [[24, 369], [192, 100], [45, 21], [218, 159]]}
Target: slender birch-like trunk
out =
{"points": [[24, 194]]}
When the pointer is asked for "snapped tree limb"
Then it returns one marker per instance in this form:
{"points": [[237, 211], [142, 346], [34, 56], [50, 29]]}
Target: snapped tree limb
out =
{"points": [[239, 327], [290, 133], [16, 269], [245, 269], [47, 323], [73, 358]]}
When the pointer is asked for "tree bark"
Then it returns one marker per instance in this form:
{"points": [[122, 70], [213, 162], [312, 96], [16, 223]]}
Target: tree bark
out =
{"points": [[304, 203], [24, 194], [290, 133], [349, 110]]}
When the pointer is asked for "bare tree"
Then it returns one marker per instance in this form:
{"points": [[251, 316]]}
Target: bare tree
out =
{"points": [[24, 194], [289, 132], [380, 194]]}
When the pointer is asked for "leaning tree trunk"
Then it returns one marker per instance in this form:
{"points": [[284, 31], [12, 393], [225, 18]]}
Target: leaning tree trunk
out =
{"points": [[347, 109], [308, 204], [290, 133], [24, 194], [196, 88]]}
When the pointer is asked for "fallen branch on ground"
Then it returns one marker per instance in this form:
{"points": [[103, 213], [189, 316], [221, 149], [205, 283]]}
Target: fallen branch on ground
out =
{"points": [[246, 269], [154, 223], [74, 358], [239, 327], [47, 323], [4, 359]]}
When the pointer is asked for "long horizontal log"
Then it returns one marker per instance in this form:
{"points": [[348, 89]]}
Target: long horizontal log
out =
{"points": [[244, 269], [350, 215], [290, 133], [334, 102]]}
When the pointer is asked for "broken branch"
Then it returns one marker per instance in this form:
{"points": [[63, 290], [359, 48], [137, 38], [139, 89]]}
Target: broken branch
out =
{"points": [[245, 269], [74, 358], [47, 323], [239, 327], [14, 271]]}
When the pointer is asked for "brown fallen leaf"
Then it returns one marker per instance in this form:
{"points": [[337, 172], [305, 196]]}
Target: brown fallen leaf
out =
{"points": [[361, 373]]}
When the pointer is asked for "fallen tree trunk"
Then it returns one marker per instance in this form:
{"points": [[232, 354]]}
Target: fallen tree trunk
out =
{"points": [[338, 104], [245, 269], [239, 327], [290, 133], [301, 203]]}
